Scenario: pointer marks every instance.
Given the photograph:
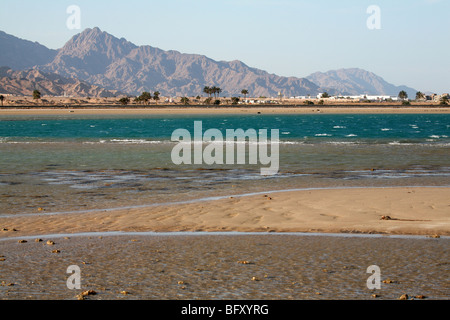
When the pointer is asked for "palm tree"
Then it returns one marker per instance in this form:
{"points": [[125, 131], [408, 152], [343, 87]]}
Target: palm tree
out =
{"points": [[245, 93], [403, 95], [419, 95], [185, 100], [218, 90], [36, 95], [145, 97], [2, 98], [207, 90], [156, 96], [137, 100], [214, 91], [124, 101]]}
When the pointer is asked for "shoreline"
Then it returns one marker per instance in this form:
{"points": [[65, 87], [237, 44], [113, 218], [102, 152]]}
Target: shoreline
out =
{"points": [[211, 267], [420, 211], [199, 200], [282, 109], [117, 234]]}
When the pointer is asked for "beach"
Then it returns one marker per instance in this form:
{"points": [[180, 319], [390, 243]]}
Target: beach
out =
{"points": [[294, 245], [409, 211], [97, 189], [237, 267]]}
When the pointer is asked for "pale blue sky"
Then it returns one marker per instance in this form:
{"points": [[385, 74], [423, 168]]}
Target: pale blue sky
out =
{"points": [[286, 37]]}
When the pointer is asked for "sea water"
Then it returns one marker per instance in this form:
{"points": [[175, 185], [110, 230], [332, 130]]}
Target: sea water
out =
{"points": [[83, 162]]}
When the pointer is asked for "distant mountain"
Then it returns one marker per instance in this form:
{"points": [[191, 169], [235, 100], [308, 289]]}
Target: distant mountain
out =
{"points": [[102, 59], [97, 58], [22, 54], [356, 81], [25, 82]]}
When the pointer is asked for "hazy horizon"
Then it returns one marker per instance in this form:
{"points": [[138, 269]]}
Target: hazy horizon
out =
{"points": [[287, 38]]}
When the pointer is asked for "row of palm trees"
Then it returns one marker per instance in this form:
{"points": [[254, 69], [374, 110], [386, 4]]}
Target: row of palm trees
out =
{"points": [[216, 91], [145, 97], [212, 91], [420, 95]]}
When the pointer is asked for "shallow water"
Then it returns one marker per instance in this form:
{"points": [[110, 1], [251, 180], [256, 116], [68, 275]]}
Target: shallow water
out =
{"points": [[66, 163], [285, 267], [69, 163]]}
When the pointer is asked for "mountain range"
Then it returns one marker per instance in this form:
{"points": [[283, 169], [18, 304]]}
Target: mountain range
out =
{"points": [[23, 83], [354, 81], [96, 63]]}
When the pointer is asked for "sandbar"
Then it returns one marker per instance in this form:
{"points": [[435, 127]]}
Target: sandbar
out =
{"points": [[393, 210]]}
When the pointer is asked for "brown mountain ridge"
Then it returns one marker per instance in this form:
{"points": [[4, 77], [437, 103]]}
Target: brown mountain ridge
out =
{"points": [[112, 65]]}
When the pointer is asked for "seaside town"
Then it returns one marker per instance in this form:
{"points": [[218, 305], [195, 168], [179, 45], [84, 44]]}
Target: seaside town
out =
{"points": [[148, 99]]}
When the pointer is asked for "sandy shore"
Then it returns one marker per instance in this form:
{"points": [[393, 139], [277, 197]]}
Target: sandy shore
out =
{"points": [[262, 266], [223, 267], [412, 211], [226, 110]]}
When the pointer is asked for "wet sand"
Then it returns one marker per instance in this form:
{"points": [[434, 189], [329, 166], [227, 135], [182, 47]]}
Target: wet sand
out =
{"points": [[218, 267], [406, 210], [269, 264]]}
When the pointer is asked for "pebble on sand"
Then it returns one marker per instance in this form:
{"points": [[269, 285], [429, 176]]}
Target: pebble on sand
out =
{"points": [[22, 241], [403, 297], [390, 281], [82, 295], [386, 218], [50, 242]]}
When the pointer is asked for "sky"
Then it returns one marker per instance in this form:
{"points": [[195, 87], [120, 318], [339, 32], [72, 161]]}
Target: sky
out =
{"points": [[406, 42]]}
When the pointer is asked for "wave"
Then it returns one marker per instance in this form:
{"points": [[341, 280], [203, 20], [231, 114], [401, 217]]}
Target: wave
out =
{"points": [[434, 140], [133, 141]]}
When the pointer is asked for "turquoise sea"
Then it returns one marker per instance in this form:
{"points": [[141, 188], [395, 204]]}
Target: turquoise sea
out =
{"points": [[75, 162]]}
